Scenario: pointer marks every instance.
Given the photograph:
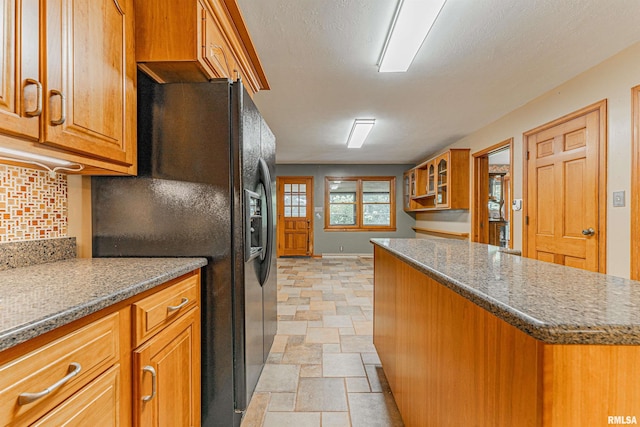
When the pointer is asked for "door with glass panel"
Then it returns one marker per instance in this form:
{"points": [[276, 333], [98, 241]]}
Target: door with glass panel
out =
{"points": [[295, 215]]}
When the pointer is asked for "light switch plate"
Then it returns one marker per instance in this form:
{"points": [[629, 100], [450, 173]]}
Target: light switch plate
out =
{"points": [[618, 199]]}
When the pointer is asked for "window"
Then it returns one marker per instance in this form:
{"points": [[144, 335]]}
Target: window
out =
{"points": [[360, 203], [295, 200]]}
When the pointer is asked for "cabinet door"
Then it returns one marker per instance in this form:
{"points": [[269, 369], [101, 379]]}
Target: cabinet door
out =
{"points": [[96, 404], [20, 86], [90, 94], [442, 171], [215, 50], [431, 178], [406, 191], [167, 376]]}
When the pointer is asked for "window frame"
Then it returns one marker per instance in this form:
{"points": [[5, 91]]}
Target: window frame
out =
{"points": [[359, 226]]}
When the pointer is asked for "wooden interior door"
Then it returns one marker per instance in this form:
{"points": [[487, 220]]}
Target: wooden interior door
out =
{"points": [[481, 195], [480, 224], [295, 216], [565, 173]]}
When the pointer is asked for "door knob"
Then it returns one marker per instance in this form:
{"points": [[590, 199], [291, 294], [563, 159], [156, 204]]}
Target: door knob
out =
{"points": [[589, 232]]}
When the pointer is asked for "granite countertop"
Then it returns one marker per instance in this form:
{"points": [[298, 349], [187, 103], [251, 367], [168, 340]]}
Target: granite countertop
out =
{"points": [[552, 303], [39, 298]]}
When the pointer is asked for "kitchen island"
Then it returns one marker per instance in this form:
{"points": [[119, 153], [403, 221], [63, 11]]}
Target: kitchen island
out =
{"points": [[469, 335]]}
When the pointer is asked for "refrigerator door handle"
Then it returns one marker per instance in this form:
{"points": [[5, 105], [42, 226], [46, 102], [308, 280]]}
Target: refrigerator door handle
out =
{"points": [[267, 251]]}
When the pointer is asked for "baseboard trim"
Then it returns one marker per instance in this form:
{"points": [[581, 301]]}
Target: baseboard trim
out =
{"points": [[343, 255]]}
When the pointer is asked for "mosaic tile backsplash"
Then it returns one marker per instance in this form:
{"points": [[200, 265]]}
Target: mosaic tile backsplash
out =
{"points": [[32, 204]]}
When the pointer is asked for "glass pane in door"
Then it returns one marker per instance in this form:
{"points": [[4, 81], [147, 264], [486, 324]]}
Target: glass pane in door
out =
{"points": [[295, 200]]}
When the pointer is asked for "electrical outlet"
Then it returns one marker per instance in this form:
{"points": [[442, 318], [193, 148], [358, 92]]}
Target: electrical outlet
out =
{"points": [[341, 248], [618, 199]]}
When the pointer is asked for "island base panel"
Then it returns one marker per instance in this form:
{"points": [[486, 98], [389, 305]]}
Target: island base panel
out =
{"points": [[451, 362]]}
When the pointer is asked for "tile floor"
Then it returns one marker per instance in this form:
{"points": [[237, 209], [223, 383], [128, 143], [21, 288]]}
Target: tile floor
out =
{"points": [[323, 369]]}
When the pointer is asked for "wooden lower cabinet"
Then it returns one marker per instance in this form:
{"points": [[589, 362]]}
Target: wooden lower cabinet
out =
{"points": [[449, 362], [102, 376], [166, 386], [95, 405]]}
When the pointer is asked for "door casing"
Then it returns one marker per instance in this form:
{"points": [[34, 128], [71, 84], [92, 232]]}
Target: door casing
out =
{"points": [[635, 184], [280, 181], [601, 108], [479, 208]]}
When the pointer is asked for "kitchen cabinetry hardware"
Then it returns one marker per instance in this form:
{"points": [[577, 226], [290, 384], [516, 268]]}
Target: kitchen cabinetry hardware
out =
{"points": [[63, 108], [38, 110], [26, 398], [184, 302], [154, 383]]}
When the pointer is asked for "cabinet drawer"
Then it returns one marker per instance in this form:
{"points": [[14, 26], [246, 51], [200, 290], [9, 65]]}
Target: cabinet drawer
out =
{"points": [[158, 310], [94, 405], [89, 350]]}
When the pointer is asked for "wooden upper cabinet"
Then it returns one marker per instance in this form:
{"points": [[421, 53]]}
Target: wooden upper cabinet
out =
{"points": [[20, 84], [196, 40], [215, 50], [67, 81], [90, 68], [406, 190], [442, 182]]}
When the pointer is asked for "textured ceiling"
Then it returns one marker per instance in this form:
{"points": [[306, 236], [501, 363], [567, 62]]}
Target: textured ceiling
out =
{"points": [[482, 59]]}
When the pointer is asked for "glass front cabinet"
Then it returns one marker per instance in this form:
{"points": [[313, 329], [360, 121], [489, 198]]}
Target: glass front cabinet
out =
{"points": [[431, 178], [439, 183], [406, 190]]}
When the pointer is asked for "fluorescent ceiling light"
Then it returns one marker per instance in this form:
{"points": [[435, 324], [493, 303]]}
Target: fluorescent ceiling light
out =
{"points": [[23, 155], [359, 132], [411, 24]]}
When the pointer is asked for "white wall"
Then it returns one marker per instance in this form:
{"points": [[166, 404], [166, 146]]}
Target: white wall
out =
{"points": [[611, 80]]}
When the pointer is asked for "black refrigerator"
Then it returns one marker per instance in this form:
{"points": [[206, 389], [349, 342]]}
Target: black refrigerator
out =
{"points": [[204, 188]]}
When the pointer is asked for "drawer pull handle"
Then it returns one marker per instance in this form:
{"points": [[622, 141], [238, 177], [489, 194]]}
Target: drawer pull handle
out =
{"points": [[184, 302], [26, 398], [38, 109], [154, 380]]}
